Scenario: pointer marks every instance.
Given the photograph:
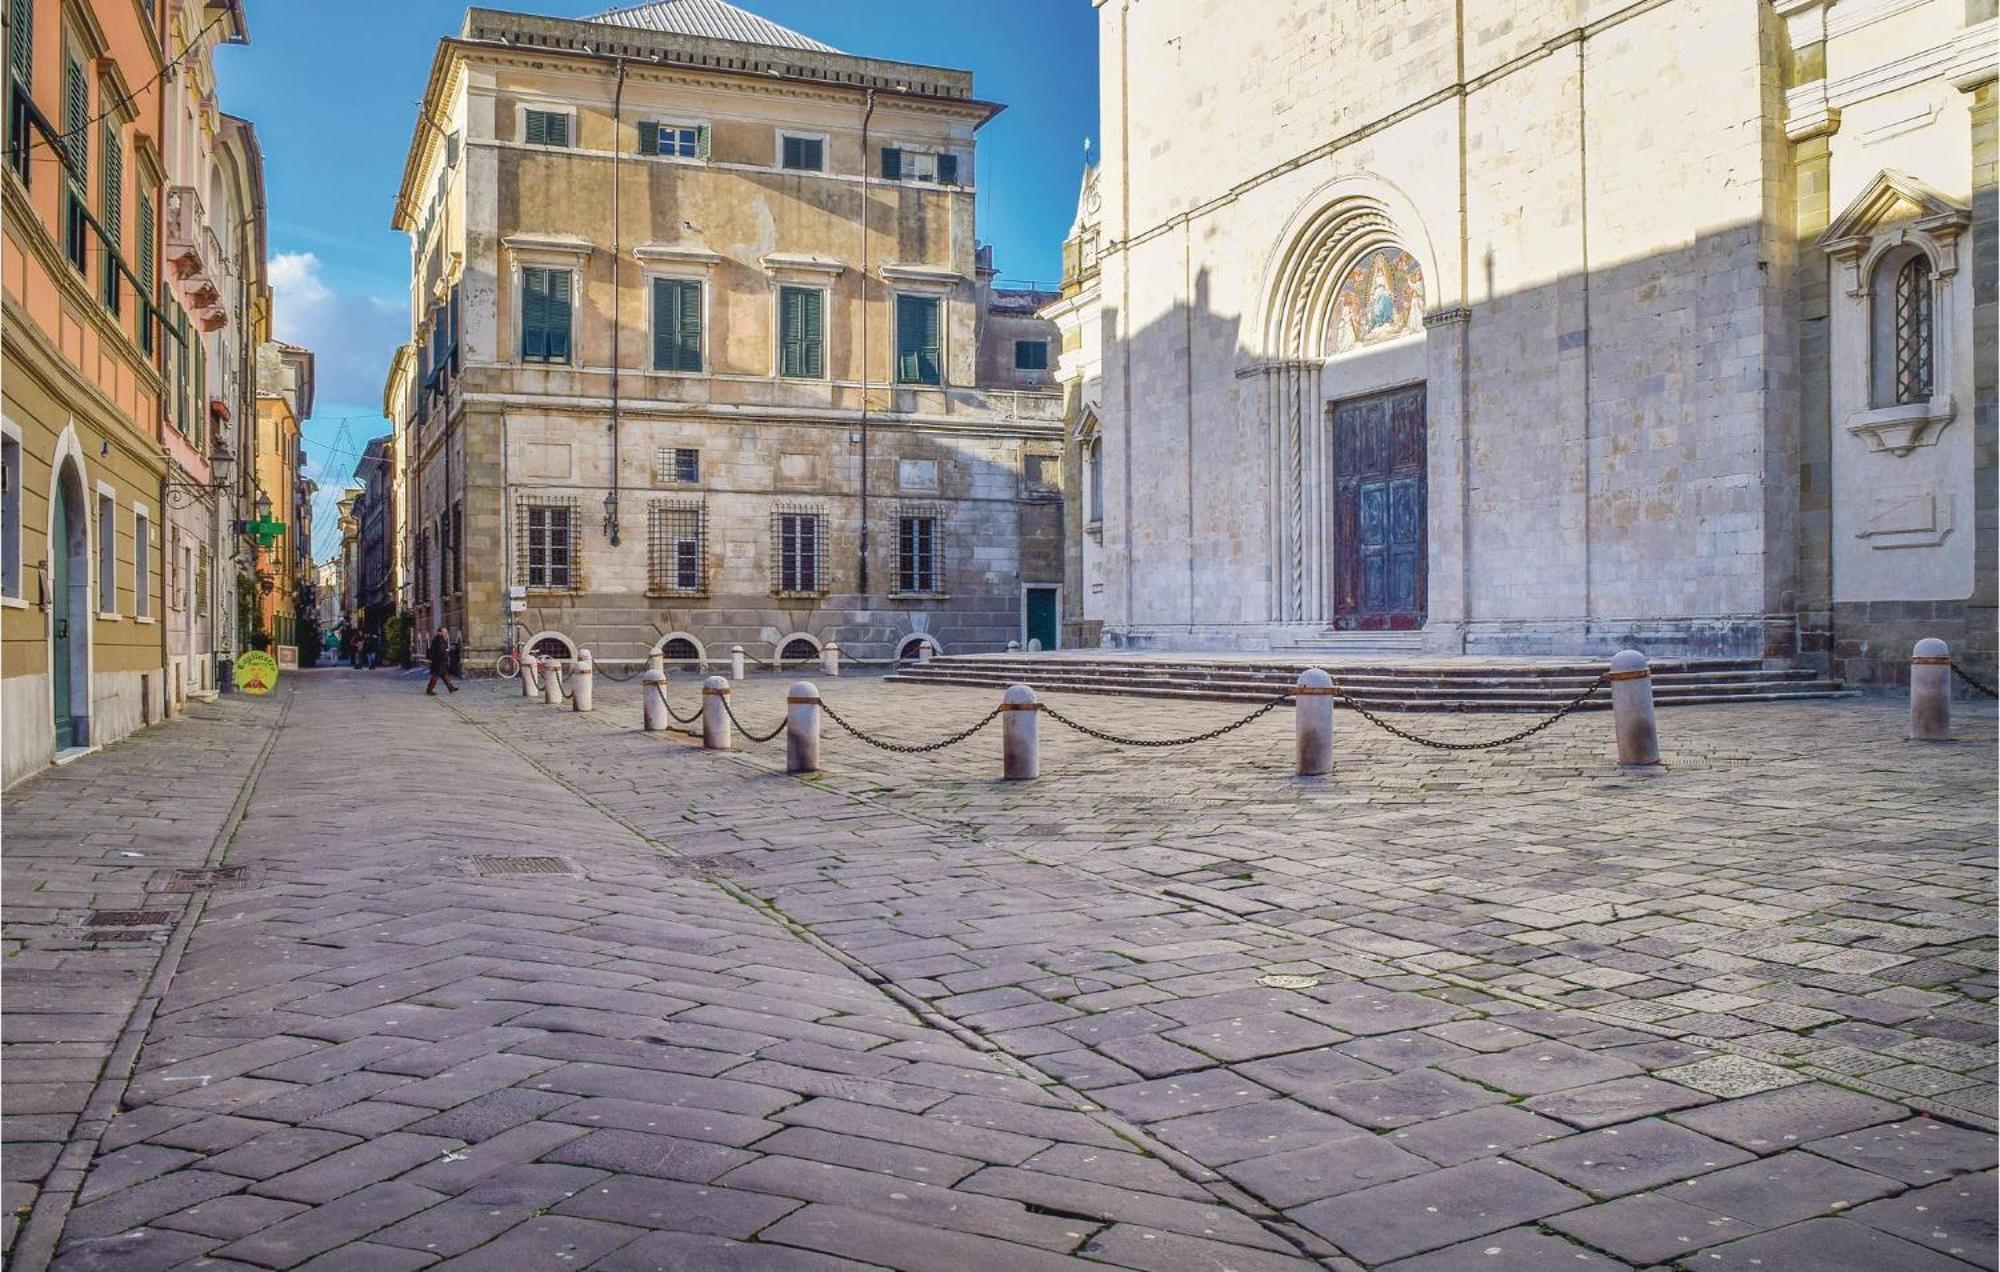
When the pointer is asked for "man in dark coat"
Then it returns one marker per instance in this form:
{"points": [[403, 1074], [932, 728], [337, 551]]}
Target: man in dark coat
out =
{"points": [[440, 658]]}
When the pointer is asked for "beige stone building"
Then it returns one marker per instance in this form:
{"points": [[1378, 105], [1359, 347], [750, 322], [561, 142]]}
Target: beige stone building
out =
{"points": [[705, 349], [1545, 327]]}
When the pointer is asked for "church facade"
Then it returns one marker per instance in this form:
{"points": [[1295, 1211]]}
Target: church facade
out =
{"points": [[1660, 323]]}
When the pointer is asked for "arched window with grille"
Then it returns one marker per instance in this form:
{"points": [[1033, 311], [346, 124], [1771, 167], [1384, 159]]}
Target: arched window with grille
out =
{"points": [[1903, 352]]}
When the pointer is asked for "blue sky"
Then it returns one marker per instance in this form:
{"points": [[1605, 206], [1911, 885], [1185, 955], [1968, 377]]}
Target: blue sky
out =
{"points": [[332, 87]]}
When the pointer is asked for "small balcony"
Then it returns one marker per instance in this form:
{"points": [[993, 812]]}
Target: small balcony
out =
{"points": [[189, 242]]}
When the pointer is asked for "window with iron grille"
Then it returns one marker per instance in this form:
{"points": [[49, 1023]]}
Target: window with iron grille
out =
{"points": [[1913, 331], [677, 466], [798, 552], [676, 531], [919, 553], [548, 549], [201, 582]]}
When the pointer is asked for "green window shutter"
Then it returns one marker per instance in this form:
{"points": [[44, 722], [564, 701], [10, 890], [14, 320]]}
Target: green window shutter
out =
{"points": [[666, 321], [558, 129], [534, 314], [892, 164], [918, 342], [689, 337], [559, 315], [813, 332], [451, 144], [701, 142], [649, 137], [146, 230], [907, 344], [21, 40], [112, 191], [76, 114], [536, 130], [947, 169]]}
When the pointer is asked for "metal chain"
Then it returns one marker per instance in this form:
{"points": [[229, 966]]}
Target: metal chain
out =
{"points": [[1115, 740], [731, 711], [608, 674], [1959, 671], [1509, 740], [661, 689], [903, 748]]}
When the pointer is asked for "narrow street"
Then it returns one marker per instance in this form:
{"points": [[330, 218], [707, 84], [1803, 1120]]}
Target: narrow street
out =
{"points": [[486, 984]]}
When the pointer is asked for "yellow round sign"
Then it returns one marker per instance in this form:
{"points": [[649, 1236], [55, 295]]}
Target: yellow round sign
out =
{"points": [[256, 672]]}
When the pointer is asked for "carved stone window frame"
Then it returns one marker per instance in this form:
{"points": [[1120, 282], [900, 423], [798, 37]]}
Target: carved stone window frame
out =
{"points": [[1894, 215]]}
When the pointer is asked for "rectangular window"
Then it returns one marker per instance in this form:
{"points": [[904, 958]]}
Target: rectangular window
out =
{"points": [[674, 548], [201, 583], [1031, 355], [917, 557], [548, 545], [676, 324], [76, 118], [107, 554], [142, 563], [10, 517], [800, 547], [679, 466], [146, 228], [919, 165], [801, 332], [545, 314], [458, 547], [802, 154], [919, 340], [676, 141], [76, 229], [547, 128]]}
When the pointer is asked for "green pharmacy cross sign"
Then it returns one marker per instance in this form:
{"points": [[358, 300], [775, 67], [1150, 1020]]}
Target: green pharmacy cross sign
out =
{"points": [[264, 530]]}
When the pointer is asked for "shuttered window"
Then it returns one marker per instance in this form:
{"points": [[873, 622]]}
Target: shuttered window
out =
{"points": [[76, 117], [801, 332], [676, 141], [145, 228], [546, 128], [545, 314], [799, 547], [803, 154], [21, 40], [111, 212], [676, 324], [919, 340]]}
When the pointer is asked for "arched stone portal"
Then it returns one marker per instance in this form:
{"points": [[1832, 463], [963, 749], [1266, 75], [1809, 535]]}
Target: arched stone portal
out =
{"points": [[1351, 390], [69, 612]]}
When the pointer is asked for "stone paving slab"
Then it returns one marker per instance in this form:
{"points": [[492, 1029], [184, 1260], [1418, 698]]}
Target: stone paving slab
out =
{"points": [[904, 1015]]}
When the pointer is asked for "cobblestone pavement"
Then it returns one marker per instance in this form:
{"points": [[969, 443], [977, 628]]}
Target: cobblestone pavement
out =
{"points": [[1734, 1014]]}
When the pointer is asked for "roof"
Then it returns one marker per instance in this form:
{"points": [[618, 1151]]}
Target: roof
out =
{"points": [[713, 19]]}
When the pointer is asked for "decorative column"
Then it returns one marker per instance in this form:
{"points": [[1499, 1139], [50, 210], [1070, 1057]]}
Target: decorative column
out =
{"points": [[1448, 460]]}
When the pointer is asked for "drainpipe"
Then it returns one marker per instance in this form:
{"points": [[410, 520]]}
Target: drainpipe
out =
{"points": [[617, 255], [867, 114]]}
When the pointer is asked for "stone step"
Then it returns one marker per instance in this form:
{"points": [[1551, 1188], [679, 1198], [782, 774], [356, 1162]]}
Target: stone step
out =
{"points": [[1432, 685]]}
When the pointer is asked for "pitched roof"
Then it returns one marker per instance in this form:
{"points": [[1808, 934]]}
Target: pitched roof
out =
{"points": [[712, 19]]}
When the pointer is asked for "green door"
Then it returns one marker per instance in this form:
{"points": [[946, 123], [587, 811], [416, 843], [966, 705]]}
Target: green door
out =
{"points": [[59, 544], [1042, 616]]}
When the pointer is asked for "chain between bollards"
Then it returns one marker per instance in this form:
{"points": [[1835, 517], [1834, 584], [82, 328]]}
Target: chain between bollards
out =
{"points": [[1509, 740], [692, 717], [1115, 740], [745, 729], [902, 748], [1960, 672]]}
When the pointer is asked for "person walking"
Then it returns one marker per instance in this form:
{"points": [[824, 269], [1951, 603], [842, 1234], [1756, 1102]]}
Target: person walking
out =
{"points": [[440, 659]]}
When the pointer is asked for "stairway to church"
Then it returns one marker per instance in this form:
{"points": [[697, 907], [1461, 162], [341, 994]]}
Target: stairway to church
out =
{"points": [[1410, 683]]}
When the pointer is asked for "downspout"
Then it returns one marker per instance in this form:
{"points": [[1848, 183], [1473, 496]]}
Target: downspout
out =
{"points": [[867, 114], [617, 297]]}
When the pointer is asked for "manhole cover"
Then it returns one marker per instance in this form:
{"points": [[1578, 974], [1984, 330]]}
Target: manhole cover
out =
{"points": [[207, 877], [521, 866], [1278, 980], [129, 918]]}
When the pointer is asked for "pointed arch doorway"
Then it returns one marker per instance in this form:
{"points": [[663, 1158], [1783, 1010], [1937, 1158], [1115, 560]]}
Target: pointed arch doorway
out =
{"points": [[69, 609]]}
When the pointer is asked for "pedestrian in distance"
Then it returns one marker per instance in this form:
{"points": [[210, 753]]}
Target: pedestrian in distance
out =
{"points": [[440, 659]]}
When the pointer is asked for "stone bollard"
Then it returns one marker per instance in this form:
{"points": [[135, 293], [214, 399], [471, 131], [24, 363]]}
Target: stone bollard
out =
{"points": [[736, 662], [829, 659], [1020, 735], [715, 714], [1930, 691], [656, 661], [923, 652], [1013, 646], [1632, 709], [1034, 644], [552, 682], [531, 679], [583, 693], [653, 688], [1312, 723], [802, 728]]}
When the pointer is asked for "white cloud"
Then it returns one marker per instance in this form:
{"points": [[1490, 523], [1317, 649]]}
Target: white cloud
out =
{"points": [[352, 336]]}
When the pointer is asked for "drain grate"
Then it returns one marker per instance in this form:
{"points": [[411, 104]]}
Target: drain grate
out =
{"points": [[206, 877], [129, 918], [121, 935], [520, 866]]}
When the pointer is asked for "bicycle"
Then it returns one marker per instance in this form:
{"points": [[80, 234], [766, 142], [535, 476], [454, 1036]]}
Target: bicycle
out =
{"points": [[508, 664]]}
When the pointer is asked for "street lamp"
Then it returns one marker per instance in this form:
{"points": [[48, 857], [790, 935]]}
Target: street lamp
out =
{"points": [[181, 494]]}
